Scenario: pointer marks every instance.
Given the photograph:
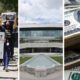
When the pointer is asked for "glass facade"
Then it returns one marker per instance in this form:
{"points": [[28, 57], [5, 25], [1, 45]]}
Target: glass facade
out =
{"points": [[41, 50], [41, 33]]}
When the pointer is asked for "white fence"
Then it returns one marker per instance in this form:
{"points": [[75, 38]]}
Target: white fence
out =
{"points": [[1, 44]]}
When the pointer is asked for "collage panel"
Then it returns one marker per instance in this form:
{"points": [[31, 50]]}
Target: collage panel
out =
{"points": [[72, 40], [41, 39], [41, 54], [8, 39], [48, 33]]}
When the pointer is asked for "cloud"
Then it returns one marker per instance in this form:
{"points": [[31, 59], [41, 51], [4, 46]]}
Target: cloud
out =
{"points": [[40, 11]]}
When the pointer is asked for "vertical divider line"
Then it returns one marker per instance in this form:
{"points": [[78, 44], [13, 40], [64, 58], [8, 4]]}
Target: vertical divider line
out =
{"points": [[63, 41], [18, 45]]}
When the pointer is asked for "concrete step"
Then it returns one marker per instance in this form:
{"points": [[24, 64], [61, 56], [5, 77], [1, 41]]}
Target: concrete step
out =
{"points": [[11, 75], [8, 78], [11, 68]]}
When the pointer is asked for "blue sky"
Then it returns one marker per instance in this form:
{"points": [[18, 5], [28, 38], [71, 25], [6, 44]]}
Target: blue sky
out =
{"points": [[40, 11]]}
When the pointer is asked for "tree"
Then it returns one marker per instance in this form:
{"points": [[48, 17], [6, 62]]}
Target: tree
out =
{"points": [[11, 5]]}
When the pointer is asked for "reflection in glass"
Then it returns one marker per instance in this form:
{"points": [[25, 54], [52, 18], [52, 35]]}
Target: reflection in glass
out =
{"points": [[41, 33]]}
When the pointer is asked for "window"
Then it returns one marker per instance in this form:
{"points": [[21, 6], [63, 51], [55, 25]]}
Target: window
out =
{"points": [[55, 34], [40, 50]]}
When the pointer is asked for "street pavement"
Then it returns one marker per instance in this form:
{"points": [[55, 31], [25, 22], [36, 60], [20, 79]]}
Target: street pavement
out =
{"points": [[13, 69]]}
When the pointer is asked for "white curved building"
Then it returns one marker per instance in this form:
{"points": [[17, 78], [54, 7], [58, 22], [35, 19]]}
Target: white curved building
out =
{"points": [[41, 38]]}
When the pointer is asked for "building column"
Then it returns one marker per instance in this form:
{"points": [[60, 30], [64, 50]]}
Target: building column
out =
{"points": [[32, 50], [50, 50]]}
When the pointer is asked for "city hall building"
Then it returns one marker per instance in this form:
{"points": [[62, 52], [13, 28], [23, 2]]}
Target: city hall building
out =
{"points": [[41, 38]]}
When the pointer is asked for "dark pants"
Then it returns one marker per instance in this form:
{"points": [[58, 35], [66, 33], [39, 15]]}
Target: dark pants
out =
{"points": [[6, 55], [11, 49]]}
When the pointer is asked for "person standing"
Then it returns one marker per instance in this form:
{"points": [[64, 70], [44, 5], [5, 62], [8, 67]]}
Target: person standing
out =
{"points": [[7, 45], [6, 54]]}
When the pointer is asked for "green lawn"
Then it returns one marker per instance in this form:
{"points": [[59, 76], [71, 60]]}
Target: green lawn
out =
{"points": [[57, 58], [23, 59]]}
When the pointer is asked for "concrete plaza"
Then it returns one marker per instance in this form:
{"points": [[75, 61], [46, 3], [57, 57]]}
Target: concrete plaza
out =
{"points": [[58, 75]]}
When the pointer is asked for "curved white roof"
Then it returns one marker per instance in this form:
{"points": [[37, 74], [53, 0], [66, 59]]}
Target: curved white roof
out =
{"points": [[40, 25]]}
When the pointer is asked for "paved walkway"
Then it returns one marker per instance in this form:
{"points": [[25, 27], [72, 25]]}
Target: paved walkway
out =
{"points": [[13, 69], [54, 76]]}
